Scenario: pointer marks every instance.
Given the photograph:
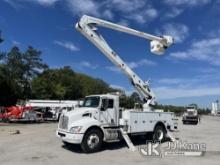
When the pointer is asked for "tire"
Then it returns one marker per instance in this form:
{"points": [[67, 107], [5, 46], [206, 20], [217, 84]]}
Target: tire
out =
{"points": [[92, 141], [159, 133]]}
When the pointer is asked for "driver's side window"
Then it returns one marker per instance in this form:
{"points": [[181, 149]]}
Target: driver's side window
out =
{"points": [[104, 105], [107, 103]]}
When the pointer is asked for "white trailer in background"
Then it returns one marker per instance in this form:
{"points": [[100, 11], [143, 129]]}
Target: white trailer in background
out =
{"points": [[215, 108], [52, 109], [100, 118]]}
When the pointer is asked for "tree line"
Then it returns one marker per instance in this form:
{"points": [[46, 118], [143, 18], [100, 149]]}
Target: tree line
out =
{"points": [[24, 75]]}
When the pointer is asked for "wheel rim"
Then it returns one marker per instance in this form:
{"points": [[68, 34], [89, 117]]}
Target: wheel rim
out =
{"points": [[93, 141], [159, 135]]}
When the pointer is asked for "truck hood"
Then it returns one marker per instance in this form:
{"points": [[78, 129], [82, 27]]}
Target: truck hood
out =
{"points": [[79, 113]]}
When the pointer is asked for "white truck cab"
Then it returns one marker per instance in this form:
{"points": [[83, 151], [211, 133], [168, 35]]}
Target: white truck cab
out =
{"points": [[100, 119], [190, 115]]}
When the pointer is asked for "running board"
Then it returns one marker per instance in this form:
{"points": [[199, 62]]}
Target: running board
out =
{"points": [[127, 140]]}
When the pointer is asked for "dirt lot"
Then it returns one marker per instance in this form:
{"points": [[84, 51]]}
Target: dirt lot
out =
{"points": [[37, 144]]}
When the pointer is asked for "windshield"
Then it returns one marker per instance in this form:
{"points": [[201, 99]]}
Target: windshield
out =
{"points": [[91, 101]]}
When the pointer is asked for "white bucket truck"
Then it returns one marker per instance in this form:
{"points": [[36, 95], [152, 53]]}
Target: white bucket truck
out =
{"points": [[100, 118]]}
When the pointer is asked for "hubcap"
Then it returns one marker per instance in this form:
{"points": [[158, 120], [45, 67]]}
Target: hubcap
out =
{"points": [[159, 135], [93, 141]]}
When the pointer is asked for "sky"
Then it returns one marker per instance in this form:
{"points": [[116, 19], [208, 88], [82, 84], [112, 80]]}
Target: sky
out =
{"points": [[187, 73]]}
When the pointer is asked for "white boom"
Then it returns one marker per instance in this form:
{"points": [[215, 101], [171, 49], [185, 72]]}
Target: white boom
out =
{"points": [[88, 27]]}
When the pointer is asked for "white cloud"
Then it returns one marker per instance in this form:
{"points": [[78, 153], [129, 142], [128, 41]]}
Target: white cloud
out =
{"points": [[80, 7], [178, 92], [176, 7], [13, 4], [143, 62], [113, 69], [178, 31], [67, 44], [123, 22], [17, 4], [187, 2], [87, 64], [170, 81], [16, 43], [46, 2], [127, 5], [108, 14], [139, 11], [202, 84], [207, 50], [174, 12], [143, 16], [136, 10], [133, 65]]}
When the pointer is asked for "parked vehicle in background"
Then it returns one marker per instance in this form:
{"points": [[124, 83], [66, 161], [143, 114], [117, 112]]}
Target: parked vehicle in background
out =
{"points": [[19, 113], [191, 115], [37, 110], [52, 109]]}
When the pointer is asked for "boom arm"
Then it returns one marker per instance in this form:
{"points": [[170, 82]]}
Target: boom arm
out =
{"points": [[88, 27]]}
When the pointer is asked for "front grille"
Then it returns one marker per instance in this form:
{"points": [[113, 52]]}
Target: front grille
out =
{"points": [[190, 113], [63, 123]]}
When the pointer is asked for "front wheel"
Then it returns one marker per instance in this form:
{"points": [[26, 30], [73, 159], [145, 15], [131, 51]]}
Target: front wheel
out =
{"points": [[92, 141], [159, 133]]}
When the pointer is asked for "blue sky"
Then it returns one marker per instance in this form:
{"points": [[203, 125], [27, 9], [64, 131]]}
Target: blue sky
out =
{"points": [[188, 72]]}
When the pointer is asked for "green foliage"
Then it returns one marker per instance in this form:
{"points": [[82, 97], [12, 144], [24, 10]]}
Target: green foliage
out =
{"points": [[65, 84], [129, 101], [17, 71], [9, 90], [170, 108]]}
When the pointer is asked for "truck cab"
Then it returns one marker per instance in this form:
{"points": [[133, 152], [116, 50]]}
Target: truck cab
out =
{"points": [[100, 119], [190, 115], [96, 113]]}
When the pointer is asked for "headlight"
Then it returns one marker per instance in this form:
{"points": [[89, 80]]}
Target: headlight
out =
{"points": [[75, 129]]}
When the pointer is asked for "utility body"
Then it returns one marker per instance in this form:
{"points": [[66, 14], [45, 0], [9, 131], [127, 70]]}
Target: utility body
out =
{"points": [[100, 119]]}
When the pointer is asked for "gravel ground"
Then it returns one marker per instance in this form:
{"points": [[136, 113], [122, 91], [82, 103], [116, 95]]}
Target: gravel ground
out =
{"points": [[25, 144]]}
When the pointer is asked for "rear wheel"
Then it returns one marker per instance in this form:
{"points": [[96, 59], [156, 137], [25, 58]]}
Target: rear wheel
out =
{"points": [[159, 133], [92, 141]]}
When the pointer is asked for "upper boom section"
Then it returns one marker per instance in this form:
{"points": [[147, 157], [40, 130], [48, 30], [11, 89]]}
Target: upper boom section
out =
{"points": [[158, 44], [88, 27]]}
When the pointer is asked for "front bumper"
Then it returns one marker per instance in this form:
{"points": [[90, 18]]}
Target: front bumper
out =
{"points": [[190, 119], [69, 137]]}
